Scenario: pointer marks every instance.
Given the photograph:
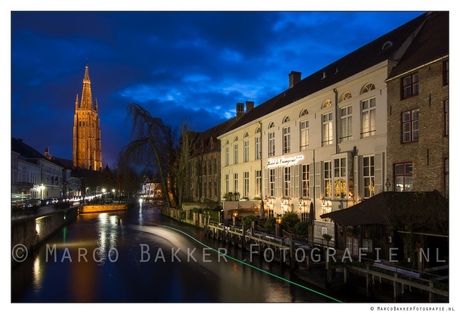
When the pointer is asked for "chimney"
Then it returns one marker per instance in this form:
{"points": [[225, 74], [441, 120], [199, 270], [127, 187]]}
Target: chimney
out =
{"points": [[239, 109], [294, 78], [249, 105]]}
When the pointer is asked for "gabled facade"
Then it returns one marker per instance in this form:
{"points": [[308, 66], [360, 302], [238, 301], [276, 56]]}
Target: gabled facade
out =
{"points": [[418, 112], [323, 141], [87, 152], [205, 161]]}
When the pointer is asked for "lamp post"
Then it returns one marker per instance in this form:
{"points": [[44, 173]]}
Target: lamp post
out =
{"points": [[388, 184], [103, 192]]}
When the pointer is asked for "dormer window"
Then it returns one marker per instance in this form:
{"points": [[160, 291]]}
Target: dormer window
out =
{"points": [[387, 45]]}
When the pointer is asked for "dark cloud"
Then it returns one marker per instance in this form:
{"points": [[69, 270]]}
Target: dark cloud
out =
{"points": [[183, 66]]}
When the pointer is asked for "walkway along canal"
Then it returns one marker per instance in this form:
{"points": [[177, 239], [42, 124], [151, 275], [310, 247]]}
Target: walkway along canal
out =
{"points": [[324, 267]]}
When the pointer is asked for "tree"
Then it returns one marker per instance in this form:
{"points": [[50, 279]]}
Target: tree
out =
{"points": [[301, 228], [290, 219], [182, 168], [153, 145], [270, 225]]}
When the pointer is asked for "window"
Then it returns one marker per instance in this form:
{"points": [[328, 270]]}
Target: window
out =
{"points": [[235, 182], [410, 126], [272, 182], [367, 245], [368, 117], [410, 86], [287, 181], [367, 88], [345, 124], [246, 184], [227, 156], [258, 148], [304, 112], [259, 182], [368, 176], [327, 129], [445, 72], [227, 186], [327, 179], [246, 151], [286, 140], [235, 153], [271, 144], [340, 178], [304, 134], [403, 177], [305, 181], [345, 96]]}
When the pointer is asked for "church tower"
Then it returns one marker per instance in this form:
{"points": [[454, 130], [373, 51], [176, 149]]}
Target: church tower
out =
{"points": [[87, 151]]}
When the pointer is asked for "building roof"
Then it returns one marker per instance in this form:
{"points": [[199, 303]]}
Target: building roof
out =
{"points": [[386, 47], [207, 141], [24, 150], [431, 43], [388, 208]]}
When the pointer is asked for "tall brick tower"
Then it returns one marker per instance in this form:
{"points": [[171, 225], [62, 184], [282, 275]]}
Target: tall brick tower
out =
{"points": [[87, 151]]}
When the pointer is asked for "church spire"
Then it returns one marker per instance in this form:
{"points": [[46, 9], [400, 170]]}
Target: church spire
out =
{"points": [[76, 103], [86, 96]]}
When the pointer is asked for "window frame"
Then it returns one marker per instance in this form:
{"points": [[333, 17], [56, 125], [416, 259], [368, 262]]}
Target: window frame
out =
{"points": [[410, 121], [410, 85]]}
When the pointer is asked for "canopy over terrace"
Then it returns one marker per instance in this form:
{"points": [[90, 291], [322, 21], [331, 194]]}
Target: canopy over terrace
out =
{"points": [[416, 211]]}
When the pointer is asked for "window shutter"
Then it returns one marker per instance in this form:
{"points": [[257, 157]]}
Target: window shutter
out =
{"points": [[318, 181], [378, 172], [358, 180], [295, 183], [265, 182]]}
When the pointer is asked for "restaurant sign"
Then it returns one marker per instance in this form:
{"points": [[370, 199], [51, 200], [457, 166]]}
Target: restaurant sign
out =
{"points": [[284, 162]]}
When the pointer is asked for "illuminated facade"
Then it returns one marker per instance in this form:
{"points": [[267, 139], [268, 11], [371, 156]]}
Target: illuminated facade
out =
{"points": [[320, 145], [87, 151]]}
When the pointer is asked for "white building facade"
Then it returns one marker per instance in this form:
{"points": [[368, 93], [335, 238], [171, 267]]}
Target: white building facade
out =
{"points": [[321, 145]]}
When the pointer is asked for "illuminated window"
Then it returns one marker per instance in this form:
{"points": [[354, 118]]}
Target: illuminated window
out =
{"points": [[368, 176], [346, 124], [368, 116], [286, 140], [304, 135], [403, 177], [327, 129], [340, 178]]}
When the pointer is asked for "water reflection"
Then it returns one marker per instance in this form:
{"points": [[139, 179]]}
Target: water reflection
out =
{"points": [[103, 258]]}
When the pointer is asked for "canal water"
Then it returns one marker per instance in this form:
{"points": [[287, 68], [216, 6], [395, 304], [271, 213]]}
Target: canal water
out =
{"points": [[140, 256]]}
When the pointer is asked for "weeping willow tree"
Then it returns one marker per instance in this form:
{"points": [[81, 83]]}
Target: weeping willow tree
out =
{"points": [[152, 146]]}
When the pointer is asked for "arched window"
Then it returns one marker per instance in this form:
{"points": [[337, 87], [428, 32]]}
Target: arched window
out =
{"points": [[258, 130], [286, 119], [246, 134], [304, 112], [235, 139], [271, 125], [345, 96], [326, 103], [368, 87]]}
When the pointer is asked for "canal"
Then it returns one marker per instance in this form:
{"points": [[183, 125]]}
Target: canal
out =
{"points": [[141, 256]]}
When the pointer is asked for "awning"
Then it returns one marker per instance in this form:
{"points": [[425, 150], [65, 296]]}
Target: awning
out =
{"points": [[381, 208]]}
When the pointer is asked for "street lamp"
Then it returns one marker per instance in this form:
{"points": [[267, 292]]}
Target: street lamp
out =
{"points": [[388, 184]]}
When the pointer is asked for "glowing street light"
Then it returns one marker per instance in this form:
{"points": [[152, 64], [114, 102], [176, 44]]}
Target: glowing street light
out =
{"points": [[41, 187]]}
